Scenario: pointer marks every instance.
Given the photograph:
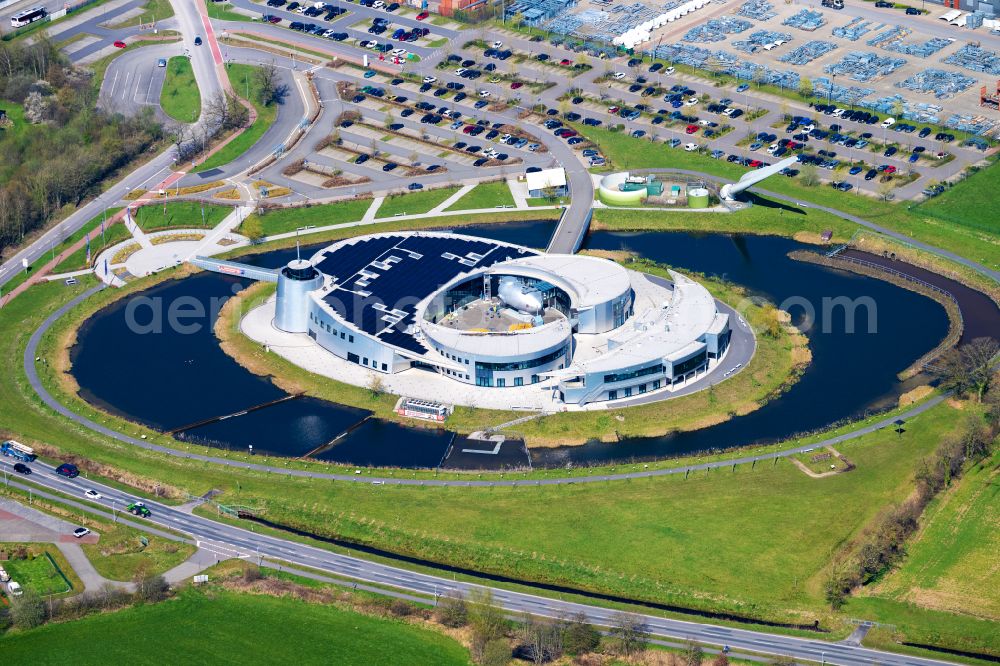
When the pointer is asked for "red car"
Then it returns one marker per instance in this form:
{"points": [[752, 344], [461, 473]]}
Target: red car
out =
{"points": [[755, 164], [119, 44], [890, 169], [274, 19], [422, 15], [516, 85], [691, 129], [566, 62], [468, 129], [612, 110]]}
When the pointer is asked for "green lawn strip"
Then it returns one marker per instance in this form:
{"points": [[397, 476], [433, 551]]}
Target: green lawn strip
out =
{"points": [[414, 203], [38, 573], [113, 233], [15, 114], [485, 195], [234, 624], [626, 152], [223, 11], [180, 215], [180, 98], [153, 10], [282, 220], [244, 82]]}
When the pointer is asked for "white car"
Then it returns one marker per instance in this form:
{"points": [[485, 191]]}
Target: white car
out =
{"points": [[378, 4], [14, 589], [691, 101], [461, 70], [430, 79], [92, 494], [81, 532], [484, 93], [4, 576], [399, 53], [498, 45], [704, 123], [669, 70], [373, 44], [690, 147], [729, 111], [618, 75], [772, 148], [888, 122]]}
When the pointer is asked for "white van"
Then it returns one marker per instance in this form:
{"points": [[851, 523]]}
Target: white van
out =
{"points": [[14, 589], [4, 576], [888, 122]]}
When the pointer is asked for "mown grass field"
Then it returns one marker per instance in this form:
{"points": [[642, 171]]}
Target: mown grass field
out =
{"points": [[244, 81], [485, 195], [954, 562], [283, 220], [970, 203], [180, 98], [223, 11], [978, 238], [180, 214], [225, 627], [120, 555], [414, 203]]}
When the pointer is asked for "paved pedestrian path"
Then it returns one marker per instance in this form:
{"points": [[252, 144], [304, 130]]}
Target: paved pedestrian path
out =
{"points": [[462, 191]]}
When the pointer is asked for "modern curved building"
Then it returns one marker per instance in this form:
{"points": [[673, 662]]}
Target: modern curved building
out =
{"points": [[493, 314]]}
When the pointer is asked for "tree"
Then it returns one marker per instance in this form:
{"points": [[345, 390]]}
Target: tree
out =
{"points": [[885, 188], [693, 654], [496, 652], [540, 641], [629, 633], [376, 386], [270, 89], [808, 175], [579, 636], [226, 112], [486, 620], [389, 119], [805, 87], [771, 317], [968, 368], [452, 610], [28, 610], [151, 588]]}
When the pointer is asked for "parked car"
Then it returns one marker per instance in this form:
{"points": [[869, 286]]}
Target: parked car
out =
{"points": [[415, 186], [81, 532], [69, 470]]}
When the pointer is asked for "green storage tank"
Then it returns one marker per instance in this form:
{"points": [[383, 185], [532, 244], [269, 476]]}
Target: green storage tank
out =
{"points": [[698, 198]]}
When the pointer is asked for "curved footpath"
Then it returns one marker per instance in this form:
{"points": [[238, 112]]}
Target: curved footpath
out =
{"points": [[31, 352]]}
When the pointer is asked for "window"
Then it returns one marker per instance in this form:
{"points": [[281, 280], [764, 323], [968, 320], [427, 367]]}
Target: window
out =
{"points": [[385, 367], [534, 379], [522, 365], [642, 388], [628, 392], [518, 381], [656, 384], [641, 372], [364, 361], [341, 335], [501, 382], [467, 361], [350, 338], [612, 395]]}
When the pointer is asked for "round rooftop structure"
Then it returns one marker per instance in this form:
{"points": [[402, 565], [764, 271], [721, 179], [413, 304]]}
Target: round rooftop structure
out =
{"points": [[495, 314]]}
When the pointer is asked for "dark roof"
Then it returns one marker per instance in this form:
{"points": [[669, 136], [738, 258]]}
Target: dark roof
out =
{"points": [[381, 279]]}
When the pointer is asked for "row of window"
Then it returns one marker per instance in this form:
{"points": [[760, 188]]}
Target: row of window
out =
{"points": [[329, 329], [641, 372], [641, 388], [501, 382], [522, 365]]}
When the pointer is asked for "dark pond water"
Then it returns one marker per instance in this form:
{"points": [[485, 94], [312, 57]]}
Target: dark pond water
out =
{"points": [[168, 379]]}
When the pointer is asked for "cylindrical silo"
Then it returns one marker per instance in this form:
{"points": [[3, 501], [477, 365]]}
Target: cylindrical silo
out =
{"points": [[697, 198], [296, 280]]}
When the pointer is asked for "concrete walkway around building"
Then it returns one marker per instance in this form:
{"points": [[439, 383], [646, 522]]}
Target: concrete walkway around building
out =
{"points": [[519, 190], [462, 191], [369, 215]]}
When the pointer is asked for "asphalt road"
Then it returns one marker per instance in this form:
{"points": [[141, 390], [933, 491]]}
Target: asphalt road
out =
{"points": [[246, 544]]}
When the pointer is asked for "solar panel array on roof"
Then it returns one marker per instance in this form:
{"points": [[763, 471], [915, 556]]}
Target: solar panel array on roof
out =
{"points": [[380, 280]]}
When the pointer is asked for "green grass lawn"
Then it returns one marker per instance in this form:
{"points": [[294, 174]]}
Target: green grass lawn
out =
{"points": [[954, 563], [244, 80], [414, 203], [15, 114], [37, 573], [485, 195], [289, 219], [224, 628], [977, 239], [180, 214], [180, 98], [223, 11]]}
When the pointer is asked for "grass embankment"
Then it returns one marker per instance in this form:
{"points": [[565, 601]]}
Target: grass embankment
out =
{"points": [[977, 239], [180, 98], [113, 233], [764, 533], [485, 195], [283, 220], [218, 626], [968, 203], [244, 80], [414, 203], [180, 215]]}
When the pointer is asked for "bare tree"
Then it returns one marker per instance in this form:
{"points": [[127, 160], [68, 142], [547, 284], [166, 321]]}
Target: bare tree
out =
{"points": [[629, 633], [968, 368], [540, 641], [226, 112]]}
